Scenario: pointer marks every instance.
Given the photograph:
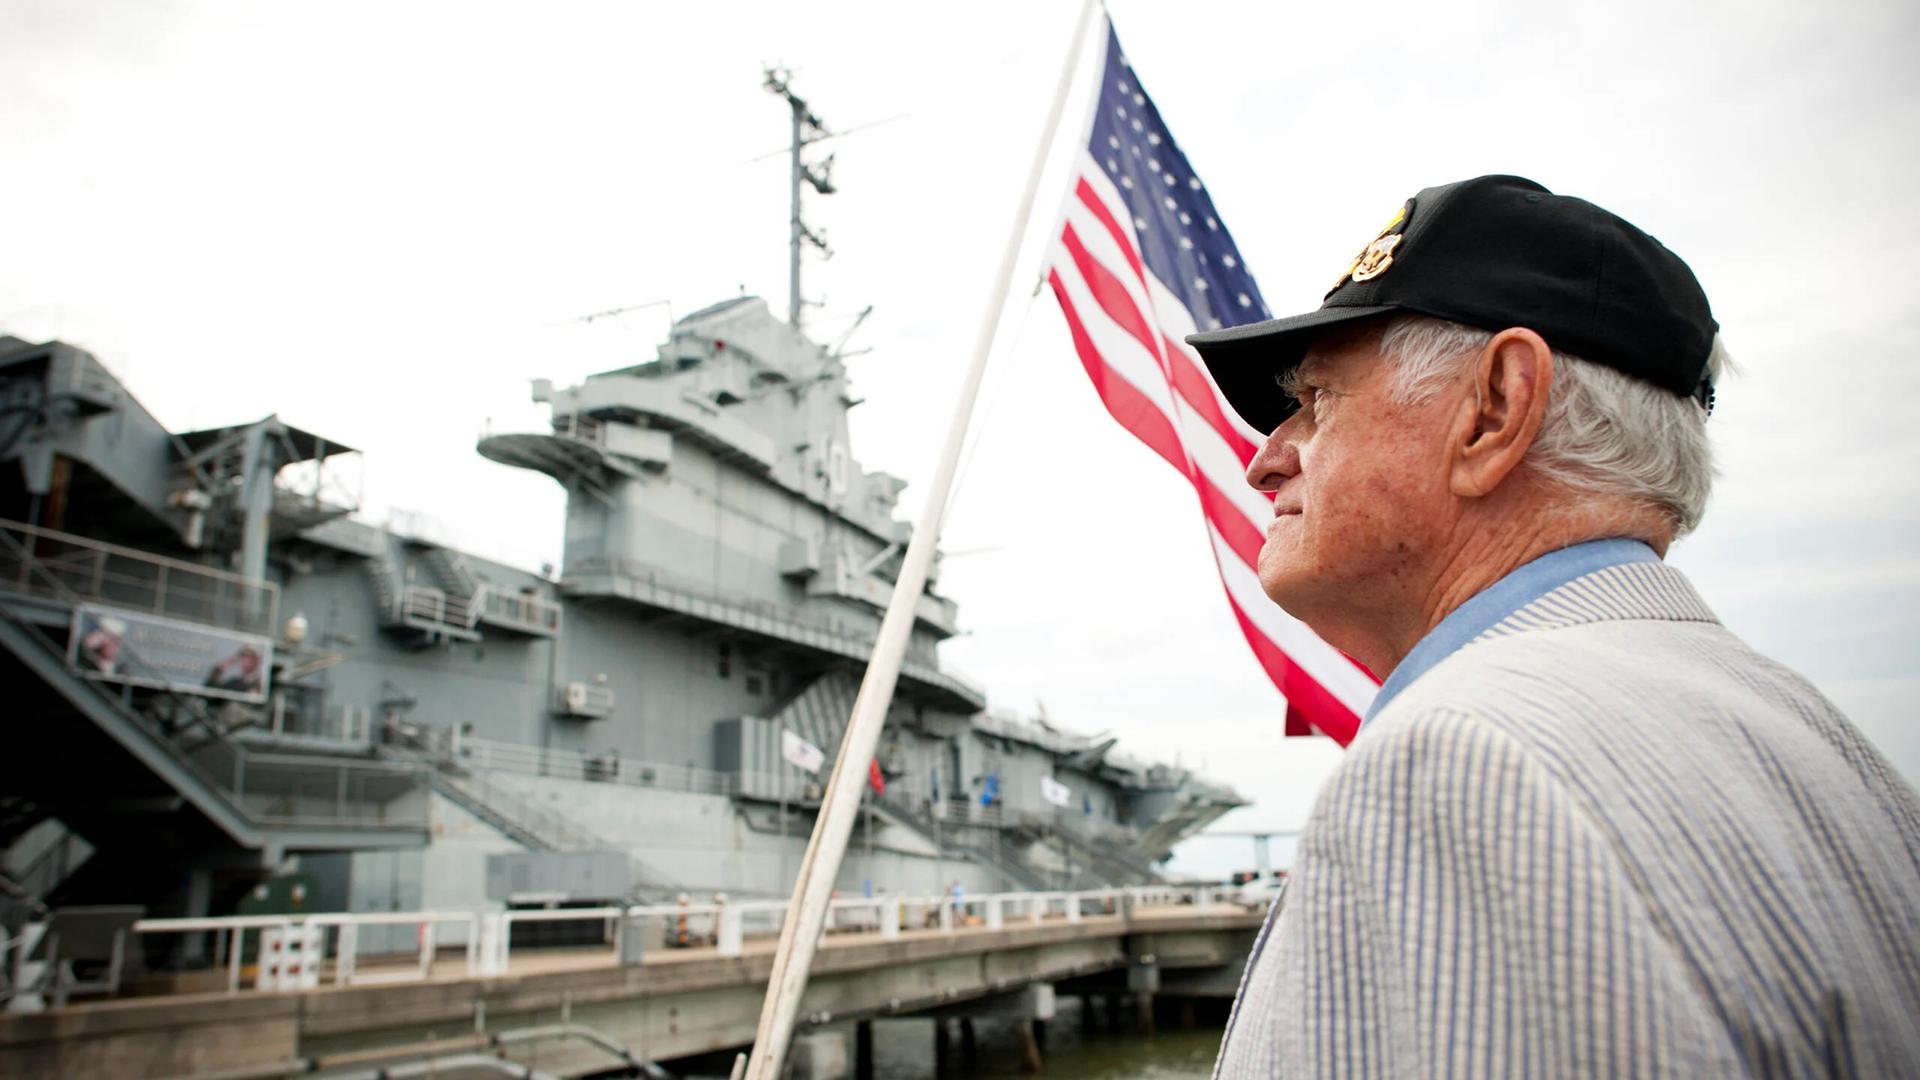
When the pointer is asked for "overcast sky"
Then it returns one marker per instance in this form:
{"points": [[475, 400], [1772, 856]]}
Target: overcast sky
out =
{"points": [[377, 220]]}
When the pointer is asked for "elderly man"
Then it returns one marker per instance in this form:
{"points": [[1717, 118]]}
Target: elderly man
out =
{"points": [[1584, 830]]}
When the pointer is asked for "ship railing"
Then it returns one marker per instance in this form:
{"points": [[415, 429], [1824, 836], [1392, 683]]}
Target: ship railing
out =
{"points": [[582, 429], [520, 610], [586, 429], [429, 604], [564, 764], [485, 937], [968, 810], [773, 620], [316, 791], [48, 563]]}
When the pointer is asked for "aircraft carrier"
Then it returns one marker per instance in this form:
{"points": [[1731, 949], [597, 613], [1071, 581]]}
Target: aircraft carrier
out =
{"points": [[227, 692]]}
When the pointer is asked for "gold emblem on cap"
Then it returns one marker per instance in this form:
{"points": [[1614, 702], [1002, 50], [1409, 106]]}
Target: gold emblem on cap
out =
{"points": [[1377, 256], [1374, 261]]}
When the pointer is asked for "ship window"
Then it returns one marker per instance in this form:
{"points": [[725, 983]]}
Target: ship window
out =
{"points": [[755, 683], [726, 660]]}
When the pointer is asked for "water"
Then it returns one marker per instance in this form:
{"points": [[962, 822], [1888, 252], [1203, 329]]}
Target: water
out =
{"points": [[903, 1049]]}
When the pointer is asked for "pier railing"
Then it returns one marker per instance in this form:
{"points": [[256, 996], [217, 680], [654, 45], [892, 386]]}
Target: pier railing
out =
{"points": [[488, 939]]}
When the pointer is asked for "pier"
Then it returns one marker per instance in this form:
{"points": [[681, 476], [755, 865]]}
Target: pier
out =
{"points": [[492, 996]]}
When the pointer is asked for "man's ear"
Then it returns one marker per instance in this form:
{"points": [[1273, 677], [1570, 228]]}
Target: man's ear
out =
{"points": [[1511, 381]]}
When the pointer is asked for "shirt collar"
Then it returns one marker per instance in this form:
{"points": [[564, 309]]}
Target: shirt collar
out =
{"points": [[1522, 586]]}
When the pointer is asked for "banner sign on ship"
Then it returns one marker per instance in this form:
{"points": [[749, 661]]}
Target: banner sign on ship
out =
{"points": [[112, 645], [1055, 792], [800, 753]]}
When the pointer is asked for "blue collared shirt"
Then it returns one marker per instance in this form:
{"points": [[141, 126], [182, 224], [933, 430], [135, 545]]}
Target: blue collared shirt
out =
{"points": [[1489, 606]]}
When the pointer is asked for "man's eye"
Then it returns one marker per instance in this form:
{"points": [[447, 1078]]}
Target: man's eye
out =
{"points": [[1305, 396]]}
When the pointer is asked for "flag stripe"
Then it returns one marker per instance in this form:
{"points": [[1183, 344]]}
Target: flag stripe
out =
{"points": [[1121, 351], [1327, 665], [1092, 200], [1241, 536], [1193, 385], [1141, 260], [1326, 713], [1111, 295], [1133, 409], [1196, 389]]}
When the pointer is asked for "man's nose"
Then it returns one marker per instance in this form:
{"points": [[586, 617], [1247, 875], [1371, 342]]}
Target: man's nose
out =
{"points": [[1276, 461]]}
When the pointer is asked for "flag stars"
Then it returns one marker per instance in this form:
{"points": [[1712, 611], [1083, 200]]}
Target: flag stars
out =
{"points": [[1168, 233]]}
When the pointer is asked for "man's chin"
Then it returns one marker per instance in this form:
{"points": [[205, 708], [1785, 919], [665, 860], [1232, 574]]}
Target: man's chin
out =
{"points": [[1285, 583]]}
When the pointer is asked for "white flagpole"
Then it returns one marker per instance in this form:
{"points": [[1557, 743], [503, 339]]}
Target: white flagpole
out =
{"points": [[806, 914]]}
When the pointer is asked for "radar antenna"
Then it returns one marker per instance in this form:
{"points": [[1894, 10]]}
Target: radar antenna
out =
{"points": [[807, 129]]}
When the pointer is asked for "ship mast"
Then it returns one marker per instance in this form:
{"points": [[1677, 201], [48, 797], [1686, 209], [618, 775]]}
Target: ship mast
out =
{"points": [[807, 129]]}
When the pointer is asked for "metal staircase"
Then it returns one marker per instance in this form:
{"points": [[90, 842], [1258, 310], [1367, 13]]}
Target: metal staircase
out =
{"points": [[1117, 866], [526, 823], [512, 815], [109, 756], [456, 605], [985, 857], [449, 571], [819, 712], [421, 614], [386, 599]]}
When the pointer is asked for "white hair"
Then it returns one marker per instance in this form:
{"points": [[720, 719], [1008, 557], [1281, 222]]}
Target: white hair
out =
{"points": [[1605, 433]]}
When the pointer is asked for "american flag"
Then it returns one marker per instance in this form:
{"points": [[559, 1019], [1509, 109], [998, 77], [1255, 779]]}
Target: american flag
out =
{"points": [[1141, 261]]}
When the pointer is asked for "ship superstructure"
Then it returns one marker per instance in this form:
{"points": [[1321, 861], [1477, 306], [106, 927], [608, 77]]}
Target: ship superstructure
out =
{"points": [[222, 677]]}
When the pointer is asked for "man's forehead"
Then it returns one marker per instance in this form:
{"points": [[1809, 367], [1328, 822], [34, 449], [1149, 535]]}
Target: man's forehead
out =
{"points": [[1327, 355]]}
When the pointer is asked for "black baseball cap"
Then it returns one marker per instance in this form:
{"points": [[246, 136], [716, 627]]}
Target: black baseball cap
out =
{"points": [[1495, 252]]}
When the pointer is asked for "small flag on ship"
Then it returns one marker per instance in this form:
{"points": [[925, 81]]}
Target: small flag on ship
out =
{"points": [[1055, 792], [800, 753]]}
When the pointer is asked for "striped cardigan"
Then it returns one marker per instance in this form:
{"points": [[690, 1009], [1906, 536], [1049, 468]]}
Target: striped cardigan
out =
{"points": [[1605, 838]]}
